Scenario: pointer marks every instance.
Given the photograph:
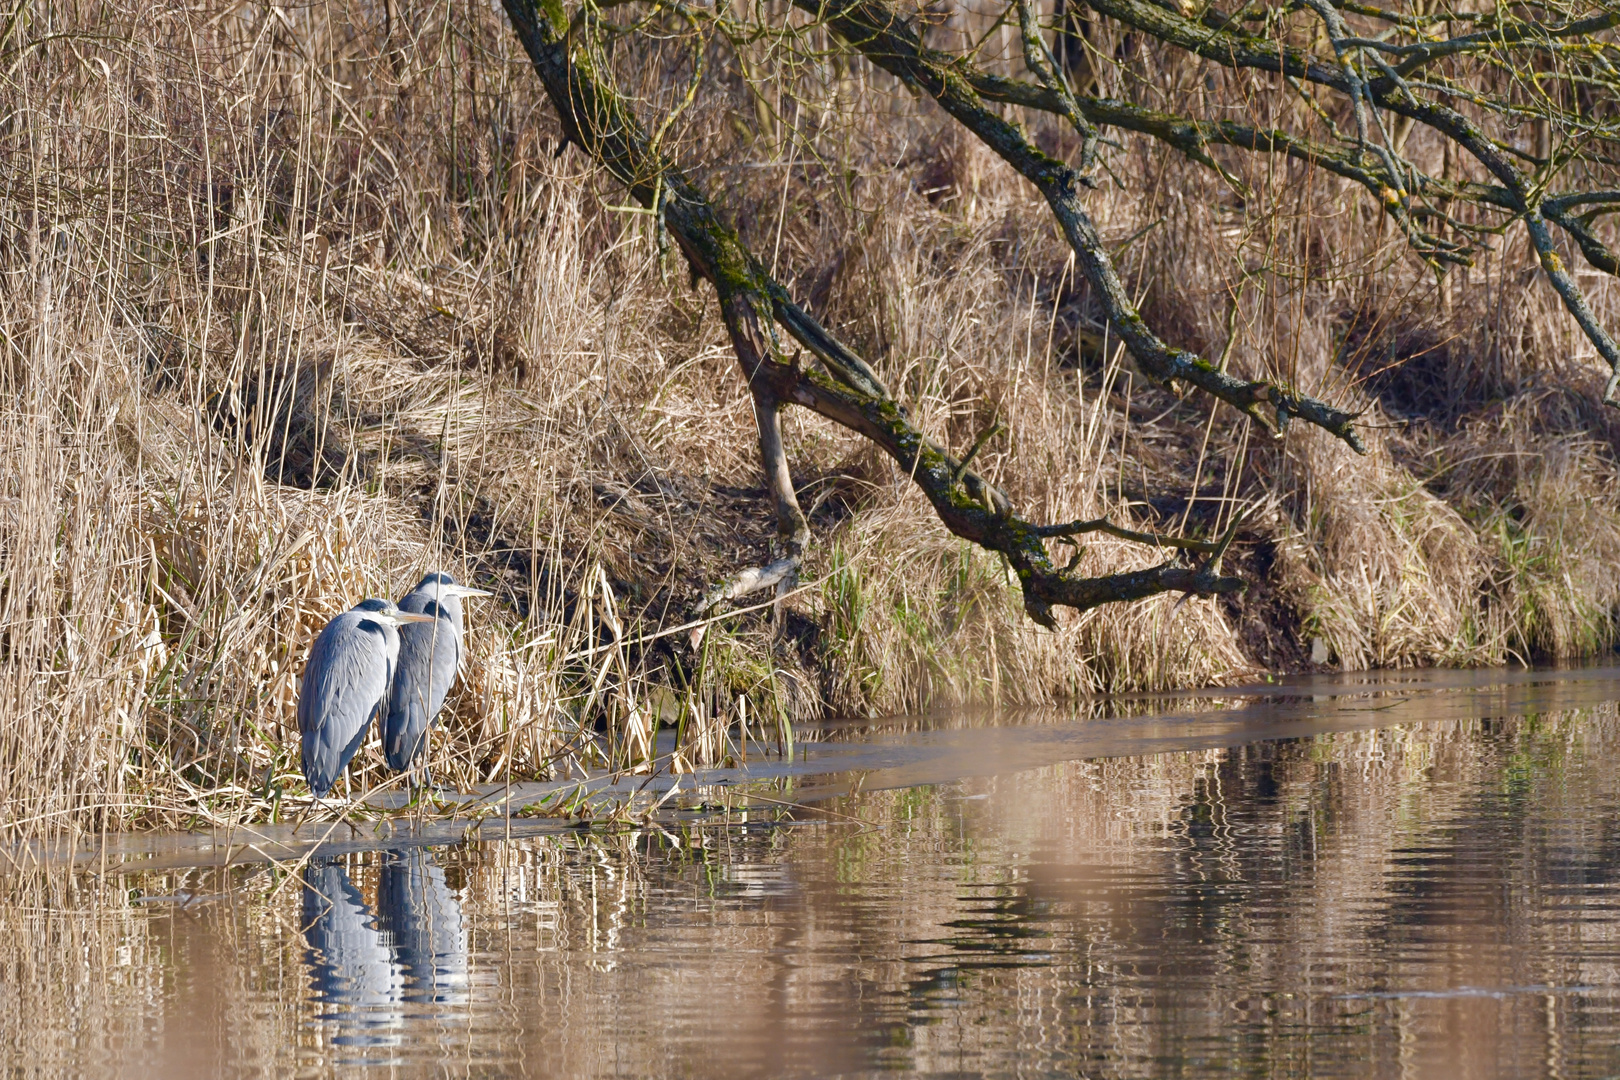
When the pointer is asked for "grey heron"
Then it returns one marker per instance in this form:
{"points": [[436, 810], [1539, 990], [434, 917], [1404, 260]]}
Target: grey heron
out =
{"points": [[429, 657], [346, 682]]}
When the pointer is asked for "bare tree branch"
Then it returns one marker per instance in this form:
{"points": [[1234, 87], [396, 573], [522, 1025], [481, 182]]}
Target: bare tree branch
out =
{"points": [[598, 119], [892, 43], [1376, 75]]}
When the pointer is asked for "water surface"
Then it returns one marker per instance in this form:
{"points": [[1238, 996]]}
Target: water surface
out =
{"points": [[1385, 876]]}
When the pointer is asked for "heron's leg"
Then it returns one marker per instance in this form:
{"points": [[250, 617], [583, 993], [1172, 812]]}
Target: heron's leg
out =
{"points": [[420, 781], [423, 754], [313, 799]]}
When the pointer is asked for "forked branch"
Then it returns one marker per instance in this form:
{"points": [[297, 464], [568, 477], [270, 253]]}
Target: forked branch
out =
{"points": [[753, 304], [893, 43]]}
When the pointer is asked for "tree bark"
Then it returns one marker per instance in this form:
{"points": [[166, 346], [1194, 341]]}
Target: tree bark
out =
{"points": [[599, 121]]}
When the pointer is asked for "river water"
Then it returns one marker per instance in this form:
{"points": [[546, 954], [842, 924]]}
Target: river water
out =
{"points": [[1374, 876]]}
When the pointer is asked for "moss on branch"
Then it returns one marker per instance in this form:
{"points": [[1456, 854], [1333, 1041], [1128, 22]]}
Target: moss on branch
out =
{"points": [[601, 122], [891, 42]]}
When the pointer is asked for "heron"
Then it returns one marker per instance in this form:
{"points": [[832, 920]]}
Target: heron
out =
{"points": [[429, 657], [347, 682]]}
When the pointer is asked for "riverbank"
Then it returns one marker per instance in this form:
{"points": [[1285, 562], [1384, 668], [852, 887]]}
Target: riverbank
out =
{"points": [[294, 313], [935, 751]]}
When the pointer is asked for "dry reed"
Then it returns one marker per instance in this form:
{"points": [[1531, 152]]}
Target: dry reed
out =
{"points": [[300, 302]]}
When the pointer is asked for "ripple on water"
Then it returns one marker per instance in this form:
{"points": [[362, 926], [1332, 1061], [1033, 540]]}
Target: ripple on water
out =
{"points": [[1422, 899]]}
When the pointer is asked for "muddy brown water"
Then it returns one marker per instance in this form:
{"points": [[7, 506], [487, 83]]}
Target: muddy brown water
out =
{"points": [[1364, 876]]}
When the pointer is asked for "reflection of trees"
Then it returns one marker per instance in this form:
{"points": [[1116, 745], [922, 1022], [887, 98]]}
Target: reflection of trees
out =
{"points": [[1231, 924], [1107, 916], [1113, 915]]}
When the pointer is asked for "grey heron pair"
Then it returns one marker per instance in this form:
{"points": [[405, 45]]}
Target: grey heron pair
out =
{"points": [[379, 659]]}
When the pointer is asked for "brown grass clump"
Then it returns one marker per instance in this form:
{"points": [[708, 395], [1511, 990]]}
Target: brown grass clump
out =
{"points": [[298, 303]]}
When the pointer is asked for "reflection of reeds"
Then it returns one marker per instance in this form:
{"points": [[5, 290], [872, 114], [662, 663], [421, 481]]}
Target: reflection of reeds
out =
{"points": [[1065, 902], [294, 309]]}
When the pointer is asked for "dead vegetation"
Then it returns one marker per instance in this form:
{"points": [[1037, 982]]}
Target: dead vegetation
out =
{"points": [[300, 302]]}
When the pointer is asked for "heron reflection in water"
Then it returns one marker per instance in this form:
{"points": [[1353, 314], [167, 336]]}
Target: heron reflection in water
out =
{"points": [[365, 965], [351, 969], [425, 925]]}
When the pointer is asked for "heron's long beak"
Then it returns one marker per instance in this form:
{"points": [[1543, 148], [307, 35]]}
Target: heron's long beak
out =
{"points": [[411, 616], [463, 590]]}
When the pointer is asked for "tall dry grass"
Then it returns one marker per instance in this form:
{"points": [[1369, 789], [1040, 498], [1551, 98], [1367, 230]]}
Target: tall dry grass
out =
{"points": [[301, 302]]}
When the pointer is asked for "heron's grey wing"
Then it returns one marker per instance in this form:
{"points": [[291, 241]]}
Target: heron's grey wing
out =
{"points": [[408, 715], [429, 655], [423, 917], [446, 663], [350, 966], [346, 679]]}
